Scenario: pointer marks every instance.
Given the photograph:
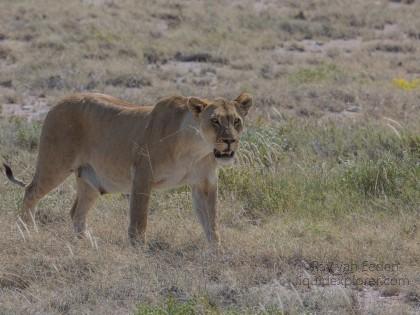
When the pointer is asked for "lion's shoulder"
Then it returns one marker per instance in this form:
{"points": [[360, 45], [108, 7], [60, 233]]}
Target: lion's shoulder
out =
{"points": [[172, 107], [171, 103]]}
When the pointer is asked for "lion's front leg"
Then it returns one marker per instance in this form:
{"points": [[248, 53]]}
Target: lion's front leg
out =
{"points": [[204, 197], [139, 203]]}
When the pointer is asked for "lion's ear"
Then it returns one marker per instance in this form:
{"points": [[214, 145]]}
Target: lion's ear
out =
{"points": [[196, 105], [244, 103]]}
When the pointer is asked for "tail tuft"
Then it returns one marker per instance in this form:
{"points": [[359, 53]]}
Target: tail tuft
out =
{"points": [[11, 177], [9, 172]]}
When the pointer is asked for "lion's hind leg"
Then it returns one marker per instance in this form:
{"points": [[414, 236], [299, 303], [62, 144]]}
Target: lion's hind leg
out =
{"points": [[30, 199], [36, 190], [51, 170], [59, 147], [86, 197]]}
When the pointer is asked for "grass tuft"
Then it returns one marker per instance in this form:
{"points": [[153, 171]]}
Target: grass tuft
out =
{"points": [[318, 74]]}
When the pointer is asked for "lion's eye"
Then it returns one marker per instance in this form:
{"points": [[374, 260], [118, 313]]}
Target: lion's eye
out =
{"points": [[215, 121], [237, 122]]}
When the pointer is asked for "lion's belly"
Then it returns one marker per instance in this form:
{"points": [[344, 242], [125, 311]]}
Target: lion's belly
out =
{"points": [[115, 184], [170, 180], [176, 175], [118, 178], [120, 182], [106, 179]]}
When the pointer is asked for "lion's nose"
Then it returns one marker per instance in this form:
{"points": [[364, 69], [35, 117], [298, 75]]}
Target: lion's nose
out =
{"points": [[229, 141]]}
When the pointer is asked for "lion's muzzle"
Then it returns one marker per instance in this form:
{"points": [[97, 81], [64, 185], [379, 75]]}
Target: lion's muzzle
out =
{"points": [[223, 155]]}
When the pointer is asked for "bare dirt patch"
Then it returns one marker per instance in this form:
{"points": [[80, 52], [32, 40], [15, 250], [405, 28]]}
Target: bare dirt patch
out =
{"points": [[31, 108]]}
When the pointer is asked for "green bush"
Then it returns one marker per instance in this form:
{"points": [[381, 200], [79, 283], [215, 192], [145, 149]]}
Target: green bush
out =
{"points": [[171, 307], [321, 171], [373, 178], [27, 136], [316, 74], [197, 306]]}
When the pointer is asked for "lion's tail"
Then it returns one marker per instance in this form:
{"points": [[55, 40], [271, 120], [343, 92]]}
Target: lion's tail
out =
{"points": [[11, 177]]}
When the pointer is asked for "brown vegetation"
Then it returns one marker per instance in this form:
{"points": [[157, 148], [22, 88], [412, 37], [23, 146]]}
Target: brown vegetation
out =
{"points": [[328, 173]]}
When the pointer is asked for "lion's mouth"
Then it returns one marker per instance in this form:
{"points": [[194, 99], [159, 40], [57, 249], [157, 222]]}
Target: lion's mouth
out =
{"points": [[223, 155]]}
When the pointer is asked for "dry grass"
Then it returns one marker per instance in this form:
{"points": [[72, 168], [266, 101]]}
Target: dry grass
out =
{"points": [[328, 171]]}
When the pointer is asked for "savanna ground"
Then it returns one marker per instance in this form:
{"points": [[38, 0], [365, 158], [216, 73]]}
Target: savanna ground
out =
{"points": [[320, 213]]}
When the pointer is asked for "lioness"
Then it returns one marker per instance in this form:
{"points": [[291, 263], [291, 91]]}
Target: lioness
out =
{"points": [[114, 146]]}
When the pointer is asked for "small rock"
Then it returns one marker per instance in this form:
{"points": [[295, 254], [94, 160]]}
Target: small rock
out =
{"points": [[198, 57], [7, 83], [300, 16], [129, 81], [353, 109], [55, 82]]}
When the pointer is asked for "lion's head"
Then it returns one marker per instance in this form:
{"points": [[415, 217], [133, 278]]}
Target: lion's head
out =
{"points": [[221, 123]]}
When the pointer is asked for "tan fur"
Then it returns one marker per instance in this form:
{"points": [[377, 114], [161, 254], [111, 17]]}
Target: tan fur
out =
{"points": [[114, 146]]}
